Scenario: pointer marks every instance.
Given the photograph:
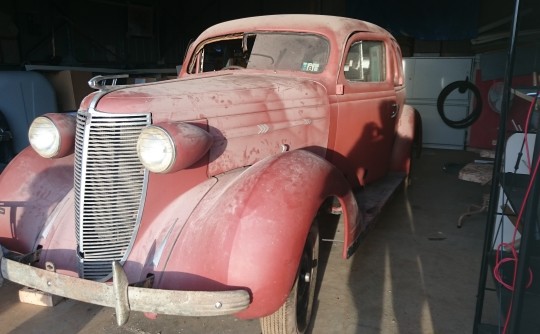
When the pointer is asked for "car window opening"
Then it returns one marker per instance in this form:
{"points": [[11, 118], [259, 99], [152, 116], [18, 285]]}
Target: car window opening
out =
{"points": [[264, 51]]}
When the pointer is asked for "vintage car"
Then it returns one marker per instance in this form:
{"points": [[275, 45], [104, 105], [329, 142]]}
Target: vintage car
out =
{"points": [[200, 196]]}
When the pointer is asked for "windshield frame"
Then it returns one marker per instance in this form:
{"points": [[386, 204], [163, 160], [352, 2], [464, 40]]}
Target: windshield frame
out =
{"points": [[195, 65]]}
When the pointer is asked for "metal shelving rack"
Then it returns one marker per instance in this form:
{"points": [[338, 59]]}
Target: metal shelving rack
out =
{"points": [[514, 308]]}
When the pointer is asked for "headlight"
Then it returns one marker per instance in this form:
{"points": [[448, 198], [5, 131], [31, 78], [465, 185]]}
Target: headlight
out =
{"points": [[170, 147], [44, 137], [156, 149], [53, 135]]}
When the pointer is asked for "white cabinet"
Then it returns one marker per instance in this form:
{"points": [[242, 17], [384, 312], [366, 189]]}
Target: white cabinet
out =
{"points": [[425, 78]]}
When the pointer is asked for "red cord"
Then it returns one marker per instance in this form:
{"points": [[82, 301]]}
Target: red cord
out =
{"points": [[514, 257]]}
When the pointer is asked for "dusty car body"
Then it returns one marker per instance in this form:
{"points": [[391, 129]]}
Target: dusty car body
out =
{"points": [[199, 196]]}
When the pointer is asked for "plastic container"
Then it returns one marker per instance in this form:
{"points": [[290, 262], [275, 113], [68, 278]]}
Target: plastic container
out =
{"points": [[24, 96]]}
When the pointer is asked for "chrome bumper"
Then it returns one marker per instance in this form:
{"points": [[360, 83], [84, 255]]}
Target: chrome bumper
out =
{"points": [[125, 298]]}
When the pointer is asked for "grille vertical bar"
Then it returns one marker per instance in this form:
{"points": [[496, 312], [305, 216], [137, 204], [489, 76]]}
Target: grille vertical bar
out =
{"points": [[109, 187]]}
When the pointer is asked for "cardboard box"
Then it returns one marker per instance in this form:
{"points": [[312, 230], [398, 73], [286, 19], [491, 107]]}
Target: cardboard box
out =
{"points": [[70, 87]]}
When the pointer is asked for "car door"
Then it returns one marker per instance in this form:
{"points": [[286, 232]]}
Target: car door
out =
{"points": [[367, 109]]}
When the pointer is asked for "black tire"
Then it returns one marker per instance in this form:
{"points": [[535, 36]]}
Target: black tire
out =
{"points": [[294, 316], [416, 149], [418, 134], [461, 86]]}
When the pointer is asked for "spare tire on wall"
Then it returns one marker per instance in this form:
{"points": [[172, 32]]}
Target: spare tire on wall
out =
{"points": [[462, 87]]}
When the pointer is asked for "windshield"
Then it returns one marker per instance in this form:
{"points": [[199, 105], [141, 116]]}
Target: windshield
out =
{"points": [[263, 51]]}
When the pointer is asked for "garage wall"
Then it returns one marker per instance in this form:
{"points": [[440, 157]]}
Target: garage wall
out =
{"points": [[122, 33]]}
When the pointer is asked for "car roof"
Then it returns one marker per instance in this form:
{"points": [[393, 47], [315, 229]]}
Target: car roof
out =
{"points": [[338, 28]]}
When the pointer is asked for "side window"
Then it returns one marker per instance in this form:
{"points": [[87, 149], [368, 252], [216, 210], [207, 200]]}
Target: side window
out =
{"points": [[398, 64], [365, 62], [226, 53]]}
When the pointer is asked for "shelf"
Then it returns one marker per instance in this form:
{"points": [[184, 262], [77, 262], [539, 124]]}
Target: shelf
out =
{"points": [[515, 187], [171, 71], [527, 94], [522, 317]]}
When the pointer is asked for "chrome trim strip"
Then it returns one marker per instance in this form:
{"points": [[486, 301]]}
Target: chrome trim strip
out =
{"points": [[82, 181], [100, 94]]}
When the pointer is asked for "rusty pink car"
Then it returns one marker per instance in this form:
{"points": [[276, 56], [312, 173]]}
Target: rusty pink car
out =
{"points": [[200, 195]]}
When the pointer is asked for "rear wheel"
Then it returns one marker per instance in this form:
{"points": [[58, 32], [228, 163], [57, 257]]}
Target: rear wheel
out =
{"points": [[294, 315], [416, 148]]}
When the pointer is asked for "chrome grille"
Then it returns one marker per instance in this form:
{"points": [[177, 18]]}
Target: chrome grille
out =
{"points": [[109, 188]]}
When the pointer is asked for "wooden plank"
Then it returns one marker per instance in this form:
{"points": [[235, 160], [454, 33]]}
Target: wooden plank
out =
{"points": [[37, 297]]}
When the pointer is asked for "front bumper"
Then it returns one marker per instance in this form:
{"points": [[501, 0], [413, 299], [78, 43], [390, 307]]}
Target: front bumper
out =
{"points": [[125, 298]]}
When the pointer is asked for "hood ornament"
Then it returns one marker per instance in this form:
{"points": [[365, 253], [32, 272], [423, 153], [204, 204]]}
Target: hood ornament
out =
{"points": [[100, 82]]}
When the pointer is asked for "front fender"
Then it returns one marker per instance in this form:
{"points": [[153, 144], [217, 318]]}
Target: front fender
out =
{"points": [[249, 230], [30, 189]]}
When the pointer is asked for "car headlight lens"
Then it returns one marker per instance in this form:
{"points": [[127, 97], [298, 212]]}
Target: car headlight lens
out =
{"points": [[156, 149], [44, 137]]}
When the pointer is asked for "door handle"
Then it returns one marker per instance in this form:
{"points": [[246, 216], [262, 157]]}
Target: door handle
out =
{"points": [[395, 109]]}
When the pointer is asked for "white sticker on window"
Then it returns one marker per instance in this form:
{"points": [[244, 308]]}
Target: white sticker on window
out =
{"points": [[310, 67]]}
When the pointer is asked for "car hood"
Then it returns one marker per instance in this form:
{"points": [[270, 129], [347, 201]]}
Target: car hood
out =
{"points": [[249, 116], [209, 96]]}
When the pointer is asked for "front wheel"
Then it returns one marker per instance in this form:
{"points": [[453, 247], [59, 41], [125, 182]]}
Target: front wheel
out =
{"points": [[294, 315]]}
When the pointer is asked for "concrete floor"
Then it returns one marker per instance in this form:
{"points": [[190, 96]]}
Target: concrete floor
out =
{"points": [[415, 273]]}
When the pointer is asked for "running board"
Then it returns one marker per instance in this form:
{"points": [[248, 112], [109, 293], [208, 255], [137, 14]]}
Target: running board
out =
{"points": [[372, 198]]}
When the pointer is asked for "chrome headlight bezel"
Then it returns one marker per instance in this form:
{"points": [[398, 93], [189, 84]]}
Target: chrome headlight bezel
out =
{"points": [[180, 145], [44, 137], [156, 149], [52, 135]]}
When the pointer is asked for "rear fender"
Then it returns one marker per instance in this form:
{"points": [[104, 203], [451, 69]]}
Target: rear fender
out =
{"points": [[250, 229], [30, 189], [408, 132]]}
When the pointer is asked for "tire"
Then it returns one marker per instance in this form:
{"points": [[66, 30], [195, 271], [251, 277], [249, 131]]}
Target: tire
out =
{"points": [[293, 317], [461, 86], [418, 134], [416, 149]]}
